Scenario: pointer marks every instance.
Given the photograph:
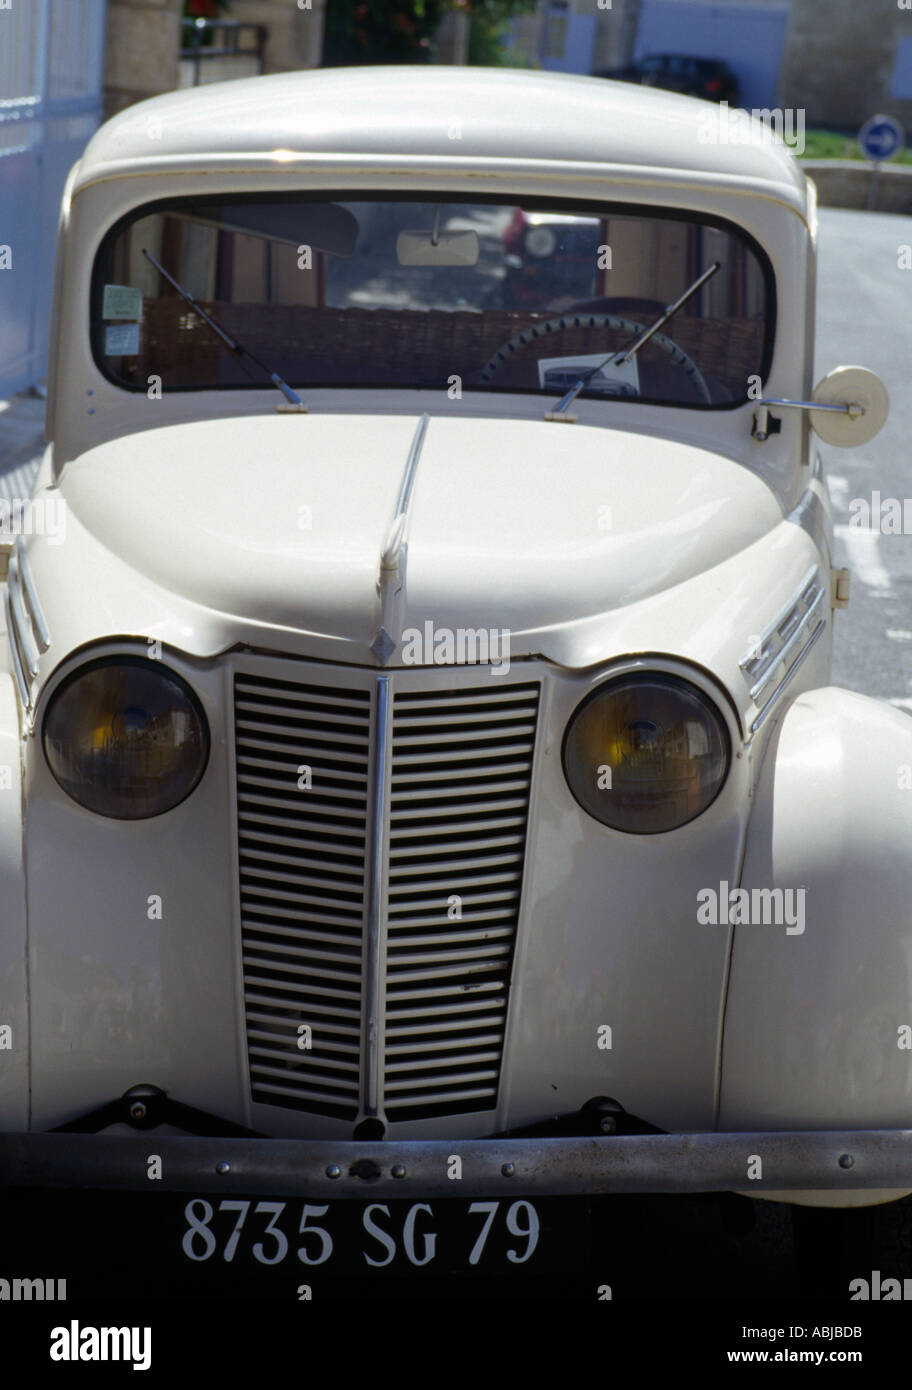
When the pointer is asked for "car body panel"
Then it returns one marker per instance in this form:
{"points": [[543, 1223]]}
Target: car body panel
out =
{"points": [[247, 549], [814, 1021]]}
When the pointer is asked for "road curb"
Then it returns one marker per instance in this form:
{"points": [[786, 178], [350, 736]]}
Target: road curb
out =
{"points": [[847, 183]]}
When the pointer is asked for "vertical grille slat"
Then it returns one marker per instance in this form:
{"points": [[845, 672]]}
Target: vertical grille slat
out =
{"points": [[460, 771], [447, 840], [302, 918]]}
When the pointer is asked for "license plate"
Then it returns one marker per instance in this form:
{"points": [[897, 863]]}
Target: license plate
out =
{"points": [[492, 1237], [188, 1247]]}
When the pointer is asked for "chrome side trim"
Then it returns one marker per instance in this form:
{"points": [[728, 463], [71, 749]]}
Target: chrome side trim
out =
{"points": [[375, 934], [28, 649], [14, 652], [785, 652], [771, 702], [39, 625], [757, 661], [785, 644]]}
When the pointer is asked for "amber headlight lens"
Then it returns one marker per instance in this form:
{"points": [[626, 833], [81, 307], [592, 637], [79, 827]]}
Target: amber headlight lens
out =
{"points": [[126, 738], [646, 753]]}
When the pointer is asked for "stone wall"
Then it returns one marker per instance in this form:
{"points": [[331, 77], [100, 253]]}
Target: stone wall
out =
{"points": [[615, 35], [295, 31], [142, 41], [839, 58]]}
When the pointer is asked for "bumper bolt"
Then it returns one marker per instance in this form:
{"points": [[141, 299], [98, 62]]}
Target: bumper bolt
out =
{"points": [[508, 1169], [398, 1171], [137, 1110], [846, 1161], [334, 1171], [608, 1124], [222, 1167]]}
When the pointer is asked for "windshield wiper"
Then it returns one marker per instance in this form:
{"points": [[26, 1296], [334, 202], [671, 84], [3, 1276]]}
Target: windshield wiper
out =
{"points": [[621, 358], [232, 344]]}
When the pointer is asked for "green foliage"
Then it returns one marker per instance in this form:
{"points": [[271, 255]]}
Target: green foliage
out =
{"points": [[830, 144], [398, 32], [489, 24], [403, 31]]}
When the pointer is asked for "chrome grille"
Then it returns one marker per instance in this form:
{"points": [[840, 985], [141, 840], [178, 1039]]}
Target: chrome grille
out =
{"points": [[461, 774], [455, 805], [302, 864]]}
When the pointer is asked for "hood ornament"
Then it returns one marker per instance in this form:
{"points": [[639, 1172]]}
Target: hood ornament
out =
{"points": [[383, 646], [391, 580]]}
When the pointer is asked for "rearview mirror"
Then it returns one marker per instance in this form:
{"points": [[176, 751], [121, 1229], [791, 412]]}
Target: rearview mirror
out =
{"points": [[849, 406], [852, 387], [444, 248]]}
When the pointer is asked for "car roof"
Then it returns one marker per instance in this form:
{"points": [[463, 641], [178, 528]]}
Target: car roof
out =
{"points": [[436, 112]]}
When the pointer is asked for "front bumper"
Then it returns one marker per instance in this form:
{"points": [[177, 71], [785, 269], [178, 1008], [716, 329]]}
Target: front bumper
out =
{"points": [[672, 1163]]}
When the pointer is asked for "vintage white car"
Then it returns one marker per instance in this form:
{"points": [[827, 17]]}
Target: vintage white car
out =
{"points": [[424, 780]]}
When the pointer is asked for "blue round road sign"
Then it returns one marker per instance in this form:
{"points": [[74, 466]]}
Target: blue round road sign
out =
{"points": [[881, 138]]}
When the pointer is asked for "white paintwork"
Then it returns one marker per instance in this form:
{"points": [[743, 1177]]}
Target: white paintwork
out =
{"points": [[813, 1019], [14, 1012], [183, 525], [475, 113], [555, 531], [812, 1026]]}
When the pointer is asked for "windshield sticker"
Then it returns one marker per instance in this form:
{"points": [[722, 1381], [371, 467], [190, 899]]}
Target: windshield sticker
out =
{"points": [[611, 378], [121, 302], [122, 340]]}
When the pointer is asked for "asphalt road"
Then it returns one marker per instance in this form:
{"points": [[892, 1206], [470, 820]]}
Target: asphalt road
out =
{"points": [[863, 313]]}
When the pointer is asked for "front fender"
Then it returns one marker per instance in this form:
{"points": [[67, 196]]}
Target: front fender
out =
{"points": [[816, 1023], [13, 977]]}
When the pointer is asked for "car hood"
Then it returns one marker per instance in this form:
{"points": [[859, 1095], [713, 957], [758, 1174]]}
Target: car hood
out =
{"points": [[517, 525]]}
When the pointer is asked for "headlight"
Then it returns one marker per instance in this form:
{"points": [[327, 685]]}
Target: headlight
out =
{"points": [[646, 753], [126, 738]]}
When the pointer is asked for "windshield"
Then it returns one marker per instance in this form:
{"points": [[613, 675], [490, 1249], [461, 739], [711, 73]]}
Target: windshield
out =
{"points": [[460, 297]]}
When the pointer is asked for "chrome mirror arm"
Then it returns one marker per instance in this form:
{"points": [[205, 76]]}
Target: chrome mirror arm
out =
{"points": [[760, 431]]}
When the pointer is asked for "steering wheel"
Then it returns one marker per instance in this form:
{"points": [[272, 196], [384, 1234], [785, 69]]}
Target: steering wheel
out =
{"points": [[566, 321]]}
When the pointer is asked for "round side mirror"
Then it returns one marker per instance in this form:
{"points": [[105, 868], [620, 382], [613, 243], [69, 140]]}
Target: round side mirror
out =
{"points": [[854, 387]]}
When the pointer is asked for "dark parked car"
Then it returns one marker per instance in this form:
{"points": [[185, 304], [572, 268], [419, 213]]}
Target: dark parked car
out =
{"points": [[694, 77]]}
